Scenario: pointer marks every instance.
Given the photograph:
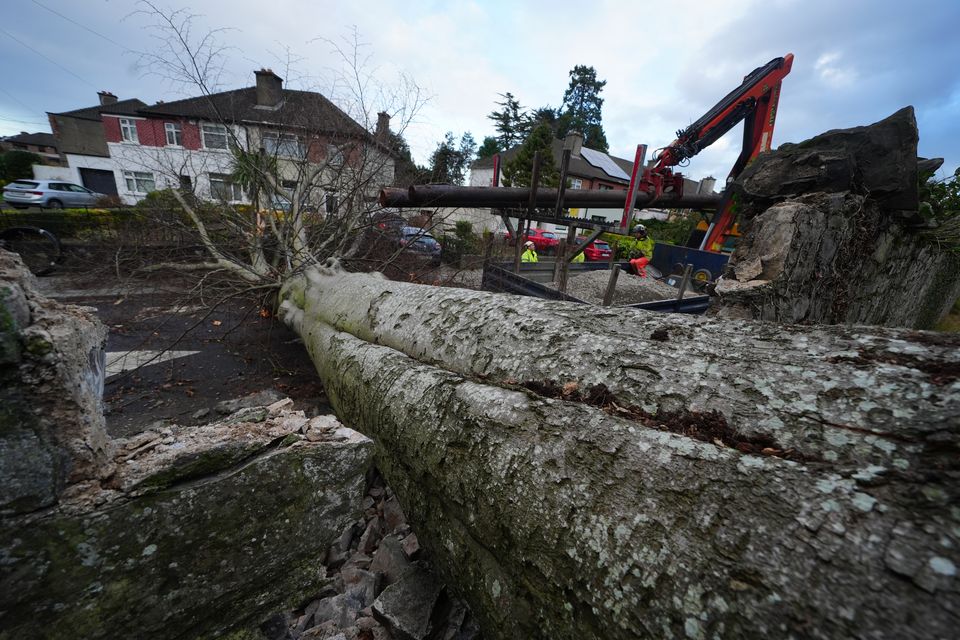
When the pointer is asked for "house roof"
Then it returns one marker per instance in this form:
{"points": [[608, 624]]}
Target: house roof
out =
{"points": [[126, 107], [579, 167], [304, 109], [40, 139]]}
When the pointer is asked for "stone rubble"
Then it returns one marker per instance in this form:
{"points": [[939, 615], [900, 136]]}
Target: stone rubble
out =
{"points": [[380, 586]]}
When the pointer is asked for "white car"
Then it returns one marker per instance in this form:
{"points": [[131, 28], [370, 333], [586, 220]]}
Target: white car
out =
{"points": [[50, 194]]}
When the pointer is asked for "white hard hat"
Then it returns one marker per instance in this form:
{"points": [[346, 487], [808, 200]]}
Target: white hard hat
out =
{"points": [[640, 227], [529, 243]]}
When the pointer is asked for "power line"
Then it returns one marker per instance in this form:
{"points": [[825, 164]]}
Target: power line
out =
{"points": [[82, 26], [16, 99], [51, 61], [33, 122]]}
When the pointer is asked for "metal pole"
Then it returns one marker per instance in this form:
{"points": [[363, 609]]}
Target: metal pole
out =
{"points": [[519, 197], [685, 281], [611, 285], [534, 184], [565, 267], [635, 177], [562, 189], [518, 245]]}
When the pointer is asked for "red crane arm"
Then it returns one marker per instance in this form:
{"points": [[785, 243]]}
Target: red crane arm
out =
{"points": [[755, 102]]}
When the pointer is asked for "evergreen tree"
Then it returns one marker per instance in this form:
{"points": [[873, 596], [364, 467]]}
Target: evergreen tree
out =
{"points": [[544, 115], [581, 108], [450, 161], [489, 148], [517, 172], [406, 172], [509, 122]]}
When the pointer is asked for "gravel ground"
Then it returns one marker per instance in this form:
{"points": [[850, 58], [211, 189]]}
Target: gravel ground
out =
{"points": [[631, 289]]}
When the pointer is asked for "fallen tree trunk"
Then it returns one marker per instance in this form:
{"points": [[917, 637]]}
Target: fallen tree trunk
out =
{"points": [[583, 515]]}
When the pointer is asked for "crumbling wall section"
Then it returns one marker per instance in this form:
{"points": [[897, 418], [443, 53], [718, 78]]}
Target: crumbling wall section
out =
{"points": [[52, 430], [171, 534], [832, 258]]}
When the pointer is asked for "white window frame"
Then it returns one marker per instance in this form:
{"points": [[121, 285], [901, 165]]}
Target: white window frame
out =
{"points": [[174, 130], [136, 181], [224, 179], [222, 131], [283, 145], [576, 183], [128, 130]]}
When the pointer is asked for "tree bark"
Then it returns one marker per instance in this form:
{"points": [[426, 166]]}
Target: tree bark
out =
{"points": [[558, 519]]}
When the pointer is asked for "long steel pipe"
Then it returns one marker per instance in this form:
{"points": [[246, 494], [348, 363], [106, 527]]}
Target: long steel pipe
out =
{"points": [[519, 197]]}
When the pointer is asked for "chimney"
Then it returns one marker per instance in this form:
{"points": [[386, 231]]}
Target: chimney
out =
{"points": [[383, 127], [707, 185], [269, 88], [106, 98], [574, 142]]}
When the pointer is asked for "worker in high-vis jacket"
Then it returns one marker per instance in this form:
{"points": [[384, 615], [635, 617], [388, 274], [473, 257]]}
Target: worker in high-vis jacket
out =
{"points": [[529, 252], [643, 242]]}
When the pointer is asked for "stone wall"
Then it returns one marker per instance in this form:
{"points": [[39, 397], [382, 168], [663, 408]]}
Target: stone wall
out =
{"points": [[52, 430], [178, 533]]}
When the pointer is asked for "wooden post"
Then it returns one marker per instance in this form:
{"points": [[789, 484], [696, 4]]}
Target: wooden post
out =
{"points": [[611, 285], [558, 265]]}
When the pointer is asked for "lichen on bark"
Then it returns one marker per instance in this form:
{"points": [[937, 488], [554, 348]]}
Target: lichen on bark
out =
{"points": [[558, 520]]}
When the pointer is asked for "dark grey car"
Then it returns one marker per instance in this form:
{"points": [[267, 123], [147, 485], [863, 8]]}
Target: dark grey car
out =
{"points": [[417, 240], [51, 194]]}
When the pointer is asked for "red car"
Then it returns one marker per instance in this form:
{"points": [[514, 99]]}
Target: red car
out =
{"points": [[544, 241], [597, 250]]}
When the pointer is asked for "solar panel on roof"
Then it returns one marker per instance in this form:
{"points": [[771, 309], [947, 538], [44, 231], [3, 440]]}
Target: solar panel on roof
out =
{"points": [[603, 162]]}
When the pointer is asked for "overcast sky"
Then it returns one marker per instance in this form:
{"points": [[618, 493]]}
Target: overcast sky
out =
{"points": [[665, 63]]}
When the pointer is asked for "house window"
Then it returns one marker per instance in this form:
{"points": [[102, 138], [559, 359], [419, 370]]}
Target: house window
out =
{"points": [[139, 181], [605, 187], [128, 130], [214, 136], [283, 144], [576, 183], [174, 134], [335, 156], [222, 187]]}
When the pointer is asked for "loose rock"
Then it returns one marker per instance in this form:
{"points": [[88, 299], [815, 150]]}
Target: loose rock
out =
{"points": [[405, 607]]}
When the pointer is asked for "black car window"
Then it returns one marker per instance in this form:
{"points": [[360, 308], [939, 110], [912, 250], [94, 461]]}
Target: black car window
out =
{"points": [[56, 186]]}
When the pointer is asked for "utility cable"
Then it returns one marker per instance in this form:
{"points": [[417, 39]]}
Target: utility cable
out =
{"points": [[50, 60]]}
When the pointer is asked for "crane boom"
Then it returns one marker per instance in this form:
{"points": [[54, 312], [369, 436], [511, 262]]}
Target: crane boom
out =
{"points": [[755, 103]]}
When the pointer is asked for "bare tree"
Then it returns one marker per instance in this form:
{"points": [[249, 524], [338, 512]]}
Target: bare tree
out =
{"points": [[295, 180]]}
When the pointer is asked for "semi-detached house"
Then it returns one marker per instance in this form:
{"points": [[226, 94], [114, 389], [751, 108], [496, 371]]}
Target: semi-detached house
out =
{"points": [[188, 143]]}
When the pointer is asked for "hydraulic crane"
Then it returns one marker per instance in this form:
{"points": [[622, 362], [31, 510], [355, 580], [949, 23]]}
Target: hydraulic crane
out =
{"points": [[755, 103]]}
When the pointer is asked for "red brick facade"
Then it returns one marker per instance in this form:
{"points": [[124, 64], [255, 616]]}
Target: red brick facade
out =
{"points": [[152, 132], [111, 128]]}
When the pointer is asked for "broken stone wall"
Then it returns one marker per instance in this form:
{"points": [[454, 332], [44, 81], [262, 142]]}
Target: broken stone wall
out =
{"points": [[832, 234], [52, 430], [177, 533]]}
